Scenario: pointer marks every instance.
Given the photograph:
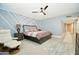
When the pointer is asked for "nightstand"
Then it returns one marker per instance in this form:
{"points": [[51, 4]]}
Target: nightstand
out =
{"points": [[19, 35]]}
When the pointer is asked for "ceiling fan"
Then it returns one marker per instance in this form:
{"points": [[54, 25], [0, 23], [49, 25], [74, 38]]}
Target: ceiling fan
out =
{"points": [[42, 10]]}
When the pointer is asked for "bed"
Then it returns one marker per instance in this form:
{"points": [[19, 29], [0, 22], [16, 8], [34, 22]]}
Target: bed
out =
{"points": [[31, 32]]}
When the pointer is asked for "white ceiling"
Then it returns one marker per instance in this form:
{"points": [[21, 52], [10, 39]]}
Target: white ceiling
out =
{"points": [[52, 11]]}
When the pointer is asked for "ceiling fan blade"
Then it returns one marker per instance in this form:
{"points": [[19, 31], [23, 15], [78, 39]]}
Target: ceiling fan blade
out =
{"points": [[46, 7], [44, 13], [35, 12]]}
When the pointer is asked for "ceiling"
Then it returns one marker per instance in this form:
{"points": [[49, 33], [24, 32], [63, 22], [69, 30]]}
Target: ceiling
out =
{"points": [[54, 9]]}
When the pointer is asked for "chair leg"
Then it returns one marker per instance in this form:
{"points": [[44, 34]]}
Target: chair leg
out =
{"points": [[14, 50]]}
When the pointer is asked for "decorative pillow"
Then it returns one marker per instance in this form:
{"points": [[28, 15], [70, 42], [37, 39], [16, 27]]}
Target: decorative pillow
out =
{"points": [[30, 28]]}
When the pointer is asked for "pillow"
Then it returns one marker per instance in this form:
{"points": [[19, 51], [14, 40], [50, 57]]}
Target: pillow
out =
{"points": [[30, 28]]}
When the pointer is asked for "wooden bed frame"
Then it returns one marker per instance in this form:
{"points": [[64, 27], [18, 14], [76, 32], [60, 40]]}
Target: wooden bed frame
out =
{"points": [[40, 41]]}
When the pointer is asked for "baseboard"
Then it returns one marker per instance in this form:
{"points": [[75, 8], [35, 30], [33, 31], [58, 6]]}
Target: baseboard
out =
{"points": [[58, 36]]}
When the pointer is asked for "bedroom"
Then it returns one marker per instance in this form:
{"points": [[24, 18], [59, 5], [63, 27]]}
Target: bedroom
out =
{"points": [[58, 20]]}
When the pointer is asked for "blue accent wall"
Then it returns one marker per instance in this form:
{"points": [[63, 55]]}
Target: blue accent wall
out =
{"points": [[55, 25], [8, 20]]}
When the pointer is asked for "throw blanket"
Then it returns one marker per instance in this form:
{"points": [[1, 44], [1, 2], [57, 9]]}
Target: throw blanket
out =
{"points": [[38, 34]]}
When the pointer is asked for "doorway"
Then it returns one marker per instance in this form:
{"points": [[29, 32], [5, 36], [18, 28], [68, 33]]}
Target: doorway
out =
{"points": [[69, 27]]}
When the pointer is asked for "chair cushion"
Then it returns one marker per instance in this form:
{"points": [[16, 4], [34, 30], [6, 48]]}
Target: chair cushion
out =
{"points": [[12, 43]]}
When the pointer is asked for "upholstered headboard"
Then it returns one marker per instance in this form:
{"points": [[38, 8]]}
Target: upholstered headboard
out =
{"points": [[28, 27]]}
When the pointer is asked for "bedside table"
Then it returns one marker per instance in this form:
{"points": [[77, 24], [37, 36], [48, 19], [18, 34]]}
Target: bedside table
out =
{"points": [[19, 35]]}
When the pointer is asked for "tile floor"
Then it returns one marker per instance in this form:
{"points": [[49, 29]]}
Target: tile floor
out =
{"points": [[54, 46]]}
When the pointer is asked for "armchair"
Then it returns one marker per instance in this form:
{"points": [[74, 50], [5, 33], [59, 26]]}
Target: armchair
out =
{"points": [[7, 40]]}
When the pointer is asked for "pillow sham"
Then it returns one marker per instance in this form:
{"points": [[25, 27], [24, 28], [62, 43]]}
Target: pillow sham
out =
{"points": [[30, 28]]}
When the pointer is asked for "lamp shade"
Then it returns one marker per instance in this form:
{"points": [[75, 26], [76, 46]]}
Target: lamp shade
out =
{"points": [[18, 26]]}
